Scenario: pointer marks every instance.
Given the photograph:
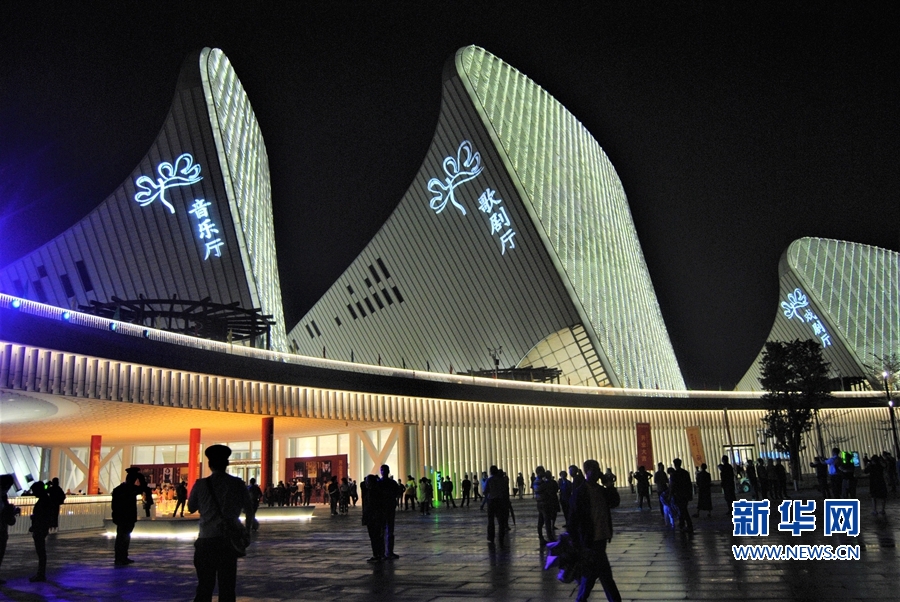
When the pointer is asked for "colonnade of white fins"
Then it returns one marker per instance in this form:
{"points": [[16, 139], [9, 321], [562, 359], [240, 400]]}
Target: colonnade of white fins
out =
{"points": [[454, 437]]}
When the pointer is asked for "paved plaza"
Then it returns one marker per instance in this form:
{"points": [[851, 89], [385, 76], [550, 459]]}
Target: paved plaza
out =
{"points": [[445, 557]]}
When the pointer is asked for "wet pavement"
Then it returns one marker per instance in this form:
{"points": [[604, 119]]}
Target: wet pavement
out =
{"points": [[445, 557]]}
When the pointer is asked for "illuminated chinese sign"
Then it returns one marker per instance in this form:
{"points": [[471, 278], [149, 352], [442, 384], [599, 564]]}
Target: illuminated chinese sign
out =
{"points": [[465, 166], [462, 168], [644, 445], [184, 172], [797, 306]]}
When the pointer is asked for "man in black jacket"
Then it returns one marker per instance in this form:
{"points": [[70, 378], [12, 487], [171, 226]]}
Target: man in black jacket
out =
{"points": [[591, 529], [682, 492], [124, 512]]}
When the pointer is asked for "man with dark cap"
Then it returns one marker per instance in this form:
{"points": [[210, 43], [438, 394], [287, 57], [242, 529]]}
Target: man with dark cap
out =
{"points": [[220, 498], [124, 512]]}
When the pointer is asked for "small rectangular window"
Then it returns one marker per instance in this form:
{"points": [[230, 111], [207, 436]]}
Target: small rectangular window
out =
{"points": [[309, 330], [374, 273], [39, 291], [397, 294], [42, 271], [337, 320], [316, 328], [383, 269], [368, 282], [362, 312], [86, 283], [369, 305], [67, 285], [350, 309], [349, 289], [387, 296], [378, 300]]}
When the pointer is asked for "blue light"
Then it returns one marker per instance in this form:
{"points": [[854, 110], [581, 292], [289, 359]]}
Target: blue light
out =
{"points": [[112, 326], [16, 303], [66, 315], [146, 334]]}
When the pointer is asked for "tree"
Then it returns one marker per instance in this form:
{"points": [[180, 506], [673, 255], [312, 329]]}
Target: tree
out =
{"points": [[796, 378]]}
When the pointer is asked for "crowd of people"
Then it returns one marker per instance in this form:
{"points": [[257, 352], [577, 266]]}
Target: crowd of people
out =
{"points": [[580, 497]]}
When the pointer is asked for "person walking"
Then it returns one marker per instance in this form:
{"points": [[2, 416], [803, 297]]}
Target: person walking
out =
{"points": [[181, 494], [57, 499], [704, 491], [565, 494], [373, 517], [220, 498], [8, 514], [546, 495], [124, 512], [682, 494], [41, 519], [447, 492], [466, 491], [878, 488], [726, 474], [484, 480], [410, 495], [385, 496], [661, 480], [591, 529], [496, 492], [642, 480], [426, 496]]}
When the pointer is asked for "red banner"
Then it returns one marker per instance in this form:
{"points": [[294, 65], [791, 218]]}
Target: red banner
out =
{"points": [[644, 446]]}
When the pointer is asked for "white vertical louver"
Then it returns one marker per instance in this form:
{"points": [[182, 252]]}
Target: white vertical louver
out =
{"points": [[245, 169]]}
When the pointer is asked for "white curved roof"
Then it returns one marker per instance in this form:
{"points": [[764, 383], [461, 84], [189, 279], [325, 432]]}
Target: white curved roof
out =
{"points": [[576, 260], [844, 294]]}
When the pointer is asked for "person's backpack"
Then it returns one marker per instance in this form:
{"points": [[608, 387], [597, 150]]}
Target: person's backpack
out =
{"points": [[613, 499]]}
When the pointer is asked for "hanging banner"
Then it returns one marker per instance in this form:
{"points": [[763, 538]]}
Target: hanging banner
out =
{"points": [[695, 444], [644, 446]]}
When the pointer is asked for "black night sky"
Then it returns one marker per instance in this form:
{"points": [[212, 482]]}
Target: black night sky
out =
{"points": [[736, 127]]}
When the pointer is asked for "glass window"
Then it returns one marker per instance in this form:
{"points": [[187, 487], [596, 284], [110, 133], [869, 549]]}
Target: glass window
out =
{"points": [[165, 454], [344, 443], [328, 445], [142, 454], [305, 447], [182, 453]]}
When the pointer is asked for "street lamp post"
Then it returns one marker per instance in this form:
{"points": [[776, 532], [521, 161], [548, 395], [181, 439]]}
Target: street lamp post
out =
{"points": [[887, 392]]}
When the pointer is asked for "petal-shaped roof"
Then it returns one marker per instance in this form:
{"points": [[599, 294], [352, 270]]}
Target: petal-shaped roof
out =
{"points": [[516, 233], [852, 294]]}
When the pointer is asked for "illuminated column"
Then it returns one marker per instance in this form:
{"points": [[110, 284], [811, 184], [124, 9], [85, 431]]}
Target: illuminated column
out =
{"points": [[353, 465], [55, 463], [265, 456], [93, 483], [193, 456], [403, 453]]}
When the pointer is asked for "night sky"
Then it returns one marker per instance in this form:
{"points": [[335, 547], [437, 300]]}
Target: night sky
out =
{"points": [[736, 128]]}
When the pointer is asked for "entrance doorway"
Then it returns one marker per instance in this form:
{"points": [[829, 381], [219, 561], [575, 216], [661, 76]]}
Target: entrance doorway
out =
{"points": [[245, 470]]}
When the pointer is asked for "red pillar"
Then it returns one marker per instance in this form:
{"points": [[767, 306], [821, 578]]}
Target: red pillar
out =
{"points": [[193, 455], [93, 476], [265, 455]]}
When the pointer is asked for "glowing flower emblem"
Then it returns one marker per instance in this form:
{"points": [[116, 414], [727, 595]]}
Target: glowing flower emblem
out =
{"points": [[462, 168], [183, 173], [795, 301]]}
